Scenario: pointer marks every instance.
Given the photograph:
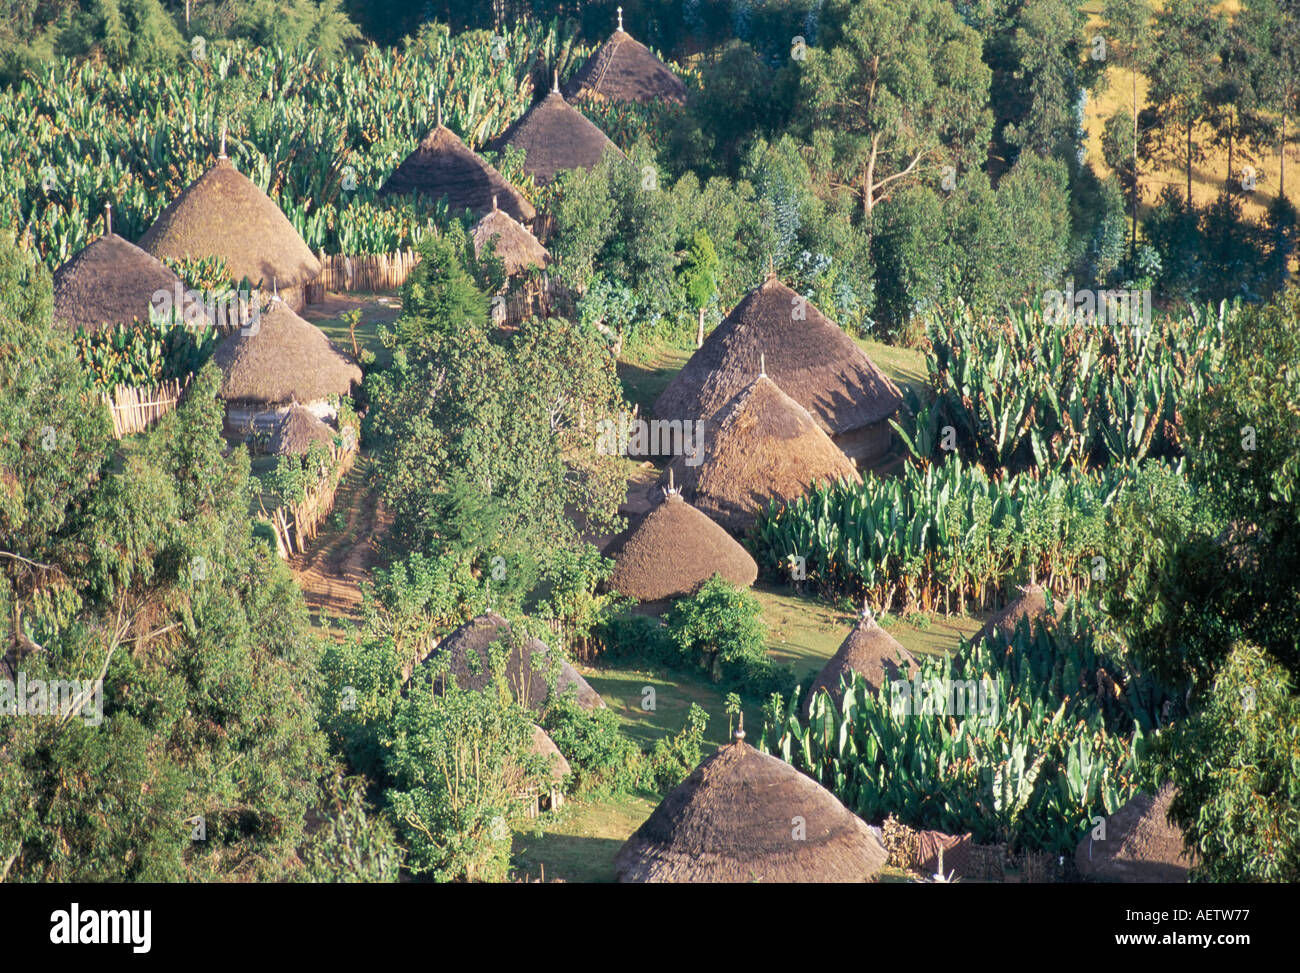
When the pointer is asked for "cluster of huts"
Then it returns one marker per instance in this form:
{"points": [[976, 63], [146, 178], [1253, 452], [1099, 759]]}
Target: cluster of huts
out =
{"points": [[281, 373]]}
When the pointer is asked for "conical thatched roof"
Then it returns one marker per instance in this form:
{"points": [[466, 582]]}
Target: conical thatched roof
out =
{"points": [[869, 651], [525, 667], [108, 281], [544, 746], [623, 69], [223, 214], [1140, 846], [673, 551], [518, 249], [813, 361], [282, 359], [295, 433], [736, 819], [1030, 603], [554, 135], [443, 165], [761, 445]]}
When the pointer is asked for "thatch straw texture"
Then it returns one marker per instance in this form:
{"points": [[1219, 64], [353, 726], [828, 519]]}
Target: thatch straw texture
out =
{"points": [[673, 551], [518, 249], [525, 667], [442, 165], [811, 359], [1140, 846], [109, 281], [222, 214], [869, 651], [760, 446], [1030, 604], [736, 819], [554, 135], [296, 432], [623, 69], [544, 746], [283, 359]]}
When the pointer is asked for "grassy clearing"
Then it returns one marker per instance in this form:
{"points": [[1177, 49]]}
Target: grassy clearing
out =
{"points": [[376, 309], [647, 373], [578, 843]]}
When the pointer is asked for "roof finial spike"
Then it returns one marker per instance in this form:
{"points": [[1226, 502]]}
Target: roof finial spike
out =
{"points": [[672, 490], [439, 113], [275, 289], [108, 219], [762, 365], [223, 140], [739, 735], [555, 83], [771, 267], [494, 202], [620, 18]]}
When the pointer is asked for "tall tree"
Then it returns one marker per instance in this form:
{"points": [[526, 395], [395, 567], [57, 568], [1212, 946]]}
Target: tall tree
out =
{"points": [[1188, 43], [1128, 44], [898, 91]]}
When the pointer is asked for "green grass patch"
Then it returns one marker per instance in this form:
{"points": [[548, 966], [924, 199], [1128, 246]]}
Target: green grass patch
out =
{"points": [[376, 309], [578, 843], [647, 373]]}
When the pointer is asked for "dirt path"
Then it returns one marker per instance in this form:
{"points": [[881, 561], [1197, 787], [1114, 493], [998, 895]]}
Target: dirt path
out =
{"points": [[340, 559]]}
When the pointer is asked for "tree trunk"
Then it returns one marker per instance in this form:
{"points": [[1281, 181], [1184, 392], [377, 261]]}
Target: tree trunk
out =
{"points": [[699, 332], [1281, 169], [1189, 161]]}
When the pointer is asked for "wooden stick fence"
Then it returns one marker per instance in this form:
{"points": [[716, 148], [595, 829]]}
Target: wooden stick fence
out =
{"points": [[295, 525], [373, 272], [136, 408]]}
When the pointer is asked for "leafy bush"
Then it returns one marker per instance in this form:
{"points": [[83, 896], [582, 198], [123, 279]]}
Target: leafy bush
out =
{"points": [[718, 629], [353, 844]]}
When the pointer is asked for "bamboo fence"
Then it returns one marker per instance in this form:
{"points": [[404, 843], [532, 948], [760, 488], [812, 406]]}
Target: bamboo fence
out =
{"points": [[373, 272], [295, 525], [136, 408]]}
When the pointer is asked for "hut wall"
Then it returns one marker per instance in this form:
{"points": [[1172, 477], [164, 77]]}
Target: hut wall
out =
{"points": [[246, 418], [866, 444]]}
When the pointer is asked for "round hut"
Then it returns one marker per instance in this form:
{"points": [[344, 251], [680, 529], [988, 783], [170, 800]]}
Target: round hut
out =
{"points": [[544, 747], [673, 551], [518, 249], [623, 69], [1140, 845], [223, 214], [554, 135], [444, 166], [761, 446], [278, 361], [468, 662], [745, 816], [297, 431], [869, 651], [806, 354], [112, 281], [1030, 606]]}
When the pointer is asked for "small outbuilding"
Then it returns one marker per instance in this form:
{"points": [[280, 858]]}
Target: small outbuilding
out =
{"points": [[745, 816], [1141, 845], [761, 446], [554, 136], [1029, 606], [869, 651], [624, 70]]}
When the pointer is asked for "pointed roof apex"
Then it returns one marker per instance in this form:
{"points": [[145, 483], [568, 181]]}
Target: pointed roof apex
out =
{"points": [[222, 153], [771, 267], [108, 219], [494, 202], [739, 735], [762, 365], [620, 18], [555, 82]]}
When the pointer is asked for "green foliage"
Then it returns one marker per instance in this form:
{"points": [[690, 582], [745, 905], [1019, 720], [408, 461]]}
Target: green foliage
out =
{"points": [[947, 535], [460, 765], [1001, 748], [1234, 762], [143, 354], [352, 843], [719, 630], [1042, 387], [440, 296], [138, 33]]}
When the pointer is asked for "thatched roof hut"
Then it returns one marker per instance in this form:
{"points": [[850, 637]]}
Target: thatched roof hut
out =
{"points": [[515, 245], [623, 69], [762, 445], [109, 281], [442, 165], [526, 665], [675, 549], [223, 214], [1030, 604], [869, 651], [745, 816], [544, 746], [806, 354], [554, 135], [282, 360], [1141, 845], [295, 433]]}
